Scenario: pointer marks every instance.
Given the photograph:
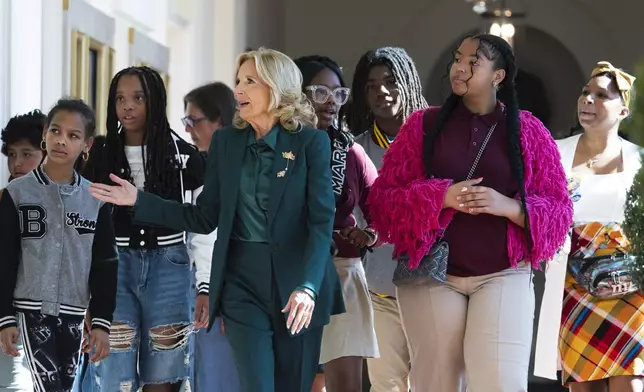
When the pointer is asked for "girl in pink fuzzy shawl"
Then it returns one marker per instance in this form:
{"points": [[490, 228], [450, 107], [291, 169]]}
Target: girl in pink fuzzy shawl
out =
{"points": [[476, 327]]}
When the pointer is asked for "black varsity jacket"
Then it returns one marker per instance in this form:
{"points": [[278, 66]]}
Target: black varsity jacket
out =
{"points": [[137, 236]]}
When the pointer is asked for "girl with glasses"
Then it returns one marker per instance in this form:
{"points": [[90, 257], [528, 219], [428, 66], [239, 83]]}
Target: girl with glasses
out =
{"points": [[350, 336]]}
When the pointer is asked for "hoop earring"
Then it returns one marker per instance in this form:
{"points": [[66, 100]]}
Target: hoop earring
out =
{"points": [[85, 156], [43, 145]]}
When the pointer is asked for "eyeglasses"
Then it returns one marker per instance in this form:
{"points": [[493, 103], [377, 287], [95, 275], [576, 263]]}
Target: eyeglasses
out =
{"points": [[191, 122], [321, 94]]}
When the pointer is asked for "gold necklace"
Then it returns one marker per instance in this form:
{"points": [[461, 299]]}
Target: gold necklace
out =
{"points": [[591, 162]]}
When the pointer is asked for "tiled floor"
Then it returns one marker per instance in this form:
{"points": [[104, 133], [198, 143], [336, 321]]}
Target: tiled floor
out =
{"points": [[554, 386], [550, 387]]}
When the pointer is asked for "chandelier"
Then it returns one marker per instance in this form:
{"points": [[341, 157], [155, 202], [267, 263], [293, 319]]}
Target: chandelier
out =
{"points": [[478, 6], [500, 15]]}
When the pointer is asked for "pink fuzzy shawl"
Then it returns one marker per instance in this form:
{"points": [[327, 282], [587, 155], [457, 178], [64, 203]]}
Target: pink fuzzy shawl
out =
{"points": [[406, 207]]}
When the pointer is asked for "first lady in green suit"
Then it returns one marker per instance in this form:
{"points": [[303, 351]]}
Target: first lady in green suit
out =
{"points": [[268, 191]]}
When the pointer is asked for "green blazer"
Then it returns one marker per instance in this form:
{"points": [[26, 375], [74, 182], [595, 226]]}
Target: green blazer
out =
{"points": [[300, 214]]}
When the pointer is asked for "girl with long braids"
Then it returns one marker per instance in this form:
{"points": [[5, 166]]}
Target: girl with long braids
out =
{"points": [[350, 336], [152, 322], [386, 90], [474, 325]]}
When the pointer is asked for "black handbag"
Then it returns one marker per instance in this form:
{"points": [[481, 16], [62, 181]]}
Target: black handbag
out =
{"points": [[433, 266]]}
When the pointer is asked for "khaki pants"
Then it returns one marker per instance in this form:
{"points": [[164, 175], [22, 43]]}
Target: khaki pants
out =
{"points": [[473, 332], [390, 372]]}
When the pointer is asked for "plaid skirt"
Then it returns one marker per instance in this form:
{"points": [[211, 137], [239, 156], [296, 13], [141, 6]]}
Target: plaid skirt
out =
{"points": [[600, 339]]}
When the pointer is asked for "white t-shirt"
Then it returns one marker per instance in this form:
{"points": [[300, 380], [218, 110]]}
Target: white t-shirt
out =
{"points": [[135, 160]]}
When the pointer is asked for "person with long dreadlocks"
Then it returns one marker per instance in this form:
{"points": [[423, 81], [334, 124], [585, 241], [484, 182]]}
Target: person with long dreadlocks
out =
{"points": [[350, 336], [386, 90], [472, 195], [152, 322]]}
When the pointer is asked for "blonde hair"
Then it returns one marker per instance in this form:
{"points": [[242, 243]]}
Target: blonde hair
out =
{"points": [[288, 103]]}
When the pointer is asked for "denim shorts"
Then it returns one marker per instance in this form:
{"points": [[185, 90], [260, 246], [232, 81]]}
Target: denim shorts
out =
{"points": [[152, 294]]}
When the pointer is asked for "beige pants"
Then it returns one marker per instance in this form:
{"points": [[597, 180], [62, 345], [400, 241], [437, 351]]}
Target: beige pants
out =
{"points": [[390, 372], [473, 331]]}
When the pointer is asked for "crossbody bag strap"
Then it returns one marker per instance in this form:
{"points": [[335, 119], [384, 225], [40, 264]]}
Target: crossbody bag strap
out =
{"points": [[428, 125], [476, 162], [478, 156]]}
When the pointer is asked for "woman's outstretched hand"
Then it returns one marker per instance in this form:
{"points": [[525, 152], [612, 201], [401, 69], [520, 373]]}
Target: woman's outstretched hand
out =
{"points": [[121, 194]]}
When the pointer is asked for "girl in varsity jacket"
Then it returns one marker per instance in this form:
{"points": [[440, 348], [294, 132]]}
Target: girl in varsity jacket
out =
{"points": [[59, 256], [154, 314]]}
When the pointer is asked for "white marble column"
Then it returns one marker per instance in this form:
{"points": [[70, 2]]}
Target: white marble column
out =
{"points": [[26, 55], [202, 37], [230, 37], [53, 54], [5, 78]]}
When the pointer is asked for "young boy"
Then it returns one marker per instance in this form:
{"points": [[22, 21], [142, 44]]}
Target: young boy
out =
{"points": [[59, 256], [21, 142]]}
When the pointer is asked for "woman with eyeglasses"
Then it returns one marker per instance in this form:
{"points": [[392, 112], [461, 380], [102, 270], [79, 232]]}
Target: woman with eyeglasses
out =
{"points": [[350, 336], [208, 108]]}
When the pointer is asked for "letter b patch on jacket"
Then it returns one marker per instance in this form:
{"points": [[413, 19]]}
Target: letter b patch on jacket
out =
{"points": [[32, 221]]}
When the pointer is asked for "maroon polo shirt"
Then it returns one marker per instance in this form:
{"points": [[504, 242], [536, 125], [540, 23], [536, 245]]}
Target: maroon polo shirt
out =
{"points": [[477, 243]]}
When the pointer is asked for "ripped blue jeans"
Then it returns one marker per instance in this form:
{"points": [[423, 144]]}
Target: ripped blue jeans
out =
{"points": [[152, 329]]}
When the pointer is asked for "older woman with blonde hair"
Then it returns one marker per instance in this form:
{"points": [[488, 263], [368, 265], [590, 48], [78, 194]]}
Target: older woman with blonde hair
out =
{"points": [[269, 193]]}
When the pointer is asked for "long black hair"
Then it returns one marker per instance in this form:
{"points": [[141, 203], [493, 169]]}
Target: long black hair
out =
{"points": [[161, 164], [404, 71], [498, 51]]}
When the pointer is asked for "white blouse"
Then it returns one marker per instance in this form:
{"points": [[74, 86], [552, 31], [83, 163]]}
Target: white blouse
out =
{"points": [[597, 198]]}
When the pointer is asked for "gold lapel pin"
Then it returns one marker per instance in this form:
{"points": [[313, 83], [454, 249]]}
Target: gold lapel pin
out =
{"points": [[289, 156]]}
